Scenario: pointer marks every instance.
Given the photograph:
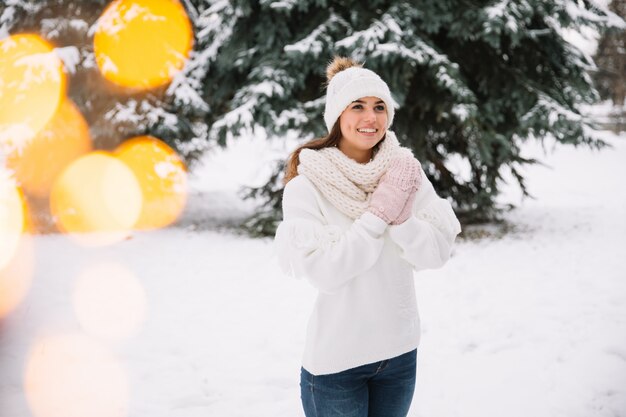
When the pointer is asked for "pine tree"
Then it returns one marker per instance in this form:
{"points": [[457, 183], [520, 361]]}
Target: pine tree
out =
{"points": [[611, 60], [474, 80]]}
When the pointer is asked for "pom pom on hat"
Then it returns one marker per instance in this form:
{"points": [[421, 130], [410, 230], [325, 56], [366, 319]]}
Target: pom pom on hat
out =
{"points": [[348, 81], [339, 64]]}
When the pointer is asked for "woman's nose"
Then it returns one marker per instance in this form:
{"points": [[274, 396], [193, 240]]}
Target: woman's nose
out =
{"points": [[370, 115]]}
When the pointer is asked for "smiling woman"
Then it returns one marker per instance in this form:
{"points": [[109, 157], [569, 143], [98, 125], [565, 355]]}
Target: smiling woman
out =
{"points": [[359, 217]]}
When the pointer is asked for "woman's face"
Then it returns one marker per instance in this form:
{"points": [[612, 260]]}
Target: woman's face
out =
{"points": [[363, 124]]}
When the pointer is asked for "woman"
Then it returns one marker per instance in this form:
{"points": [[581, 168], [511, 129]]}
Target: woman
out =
{"points": [[359, 217]]}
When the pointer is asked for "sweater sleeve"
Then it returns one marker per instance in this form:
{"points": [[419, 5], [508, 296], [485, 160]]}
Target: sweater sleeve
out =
{"points": [[426, 238], [326, 255]]}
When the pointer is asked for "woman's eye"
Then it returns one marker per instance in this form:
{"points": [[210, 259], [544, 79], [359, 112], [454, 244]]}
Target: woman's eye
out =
{"points": [[357, 106], [380, 108]]}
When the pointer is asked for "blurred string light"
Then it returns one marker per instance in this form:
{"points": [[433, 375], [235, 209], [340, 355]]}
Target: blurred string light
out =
{"points": [[12, 217], [74, 376], [94, 291], [32, 84], [16, 276], [16, 254], [46, 140], [40, 160], [162, 177], [96, 199], [101, 197], [142, 43]]}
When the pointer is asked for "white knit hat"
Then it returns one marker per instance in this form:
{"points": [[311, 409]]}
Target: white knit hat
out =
{"points": [[352, 84]]}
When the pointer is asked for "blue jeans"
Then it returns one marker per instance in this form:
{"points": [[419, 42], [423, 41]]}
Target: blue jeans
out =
{"points": [[379, 389]]}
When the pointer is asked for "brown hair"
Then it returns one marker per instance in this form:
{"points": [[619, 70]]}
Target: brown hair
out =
{"points": [[328, 141]]}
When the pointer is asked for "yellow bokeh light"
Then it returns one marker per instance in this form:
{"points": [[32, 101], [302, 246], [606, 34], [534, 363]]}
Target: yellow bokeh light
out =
{"points": [[73, 376], [93, 292], [142, 43], [162, 177], [65, 138], [16, 276], [32, 84], [12, 216], [96, 199]]}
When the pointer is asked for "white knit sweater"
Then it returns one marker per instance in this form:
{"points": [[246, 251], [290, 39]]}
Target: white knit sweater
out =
{"points": [[366, 310]]}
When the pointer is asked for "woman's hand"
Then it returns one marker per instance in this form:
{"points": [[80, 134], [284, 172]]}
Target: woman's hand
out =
{"points": [[392, 200]]}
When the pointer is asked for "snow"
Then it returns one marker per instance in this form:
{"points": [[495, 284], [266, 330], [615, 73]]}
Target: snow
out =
{"points": [[459, 166], [245, 162], [496, 11], [312, 43], [79, 25], [462, 111], [14, 136], [527, 320], [554, 110], [40, 67], [365, 41], [108, 66], [51, 28], [185, 90], [10, 8], [140, 112], [6, 18], [116, 20], [241, 114], [605, 113], [584, 37], [265, 88], [70, 55], [504, 11], [287, 5], [418, 55]]}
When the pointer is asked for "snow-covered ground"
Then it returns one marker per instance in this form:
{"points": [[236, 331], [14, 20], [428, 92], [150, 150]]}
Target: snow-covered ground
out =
{"points": [[201, 323]]}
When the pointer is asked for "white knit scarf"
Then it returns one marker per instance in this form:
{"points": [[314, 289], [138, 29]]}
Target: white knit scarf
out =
{"points": [[346, 183]]}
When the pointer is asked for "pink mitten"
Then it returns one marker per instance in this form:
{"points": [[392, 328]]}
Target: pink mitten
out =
{"points": [[407, 211], [400, 182]]}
